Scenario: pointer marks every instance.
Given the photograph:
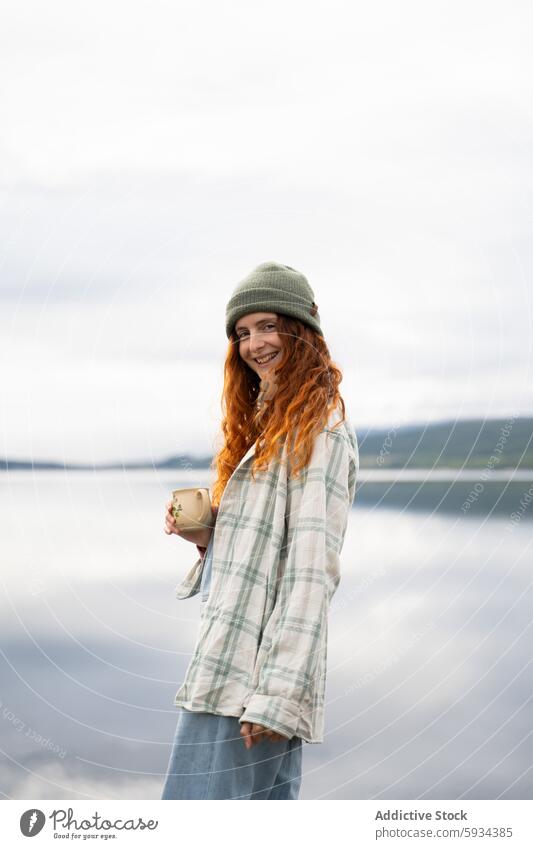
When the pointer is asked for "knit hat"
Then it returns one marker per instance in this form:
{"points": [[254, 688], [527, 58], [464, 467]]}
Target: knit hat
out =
{"points": [[272, 287]]}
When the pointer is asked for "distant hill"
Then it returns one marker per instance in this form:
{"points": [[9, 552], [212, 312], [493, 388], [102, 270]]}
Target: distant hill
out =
{"points": [[182, 462], [468, 443]]}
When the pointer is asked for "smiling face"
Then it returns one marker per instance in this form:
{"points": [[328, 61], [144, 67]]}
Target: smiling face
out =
{"points": [[258, 339]]}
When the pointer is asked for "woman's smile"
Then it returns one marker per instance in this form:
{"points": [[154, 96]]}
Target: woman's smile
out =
{"points": [[266, 359]]}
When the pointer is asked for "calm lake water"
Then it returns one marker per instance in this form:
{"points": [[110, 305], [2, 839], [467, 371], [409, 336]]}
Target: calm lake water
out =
{"points": [[430, 678]]}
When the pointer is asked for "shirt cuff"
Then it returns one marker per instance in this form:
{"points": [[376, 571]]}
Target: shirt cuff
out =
{"points": [[272, 712]]}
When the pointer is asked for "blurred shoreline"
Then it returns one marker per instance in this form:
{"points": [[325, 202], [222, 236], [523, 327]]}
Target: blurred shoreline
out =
{"points": [[489, 445]]}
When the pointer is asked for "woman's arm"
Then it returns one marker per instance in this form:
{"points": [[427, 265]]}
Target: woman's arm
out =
{"points": [[292, 654]]}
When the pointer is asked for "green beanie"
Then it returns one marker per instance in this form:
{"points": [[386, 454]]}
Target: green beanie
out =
{"points": [[272, 287]]}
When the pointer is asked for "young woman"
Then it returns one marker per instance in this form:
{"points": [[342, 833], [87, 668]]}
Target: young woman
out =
{"points": [[284, 483]]}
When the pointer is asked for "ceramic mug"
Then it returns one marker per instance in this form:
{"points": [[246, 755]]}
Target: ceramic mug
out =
{"points": [[191, 508]]}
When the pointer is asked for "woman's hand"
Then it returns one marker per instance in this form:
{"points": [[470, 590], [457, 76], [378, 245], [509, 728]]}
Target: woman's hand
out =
{"points": [[200, 537], [254, 733]]}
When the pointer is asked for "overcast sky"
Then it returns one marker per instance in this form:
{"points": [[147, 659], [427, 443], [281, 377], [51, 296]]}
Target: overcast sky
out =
{"points": [[152, 154]]}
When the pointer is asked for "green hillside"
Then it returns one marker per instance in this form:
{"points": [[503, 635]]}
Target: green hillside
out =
{"points": [[470, 444]]}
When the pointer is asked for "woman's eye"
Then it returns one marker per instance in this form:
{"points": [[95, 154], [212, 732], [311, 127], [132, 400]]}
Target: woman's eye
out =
{"points": [[244, 334]]}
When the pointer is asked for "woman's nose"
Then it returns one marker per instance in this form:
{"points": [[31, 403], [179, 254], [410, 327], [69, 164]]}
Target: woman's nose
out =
{"points": [[256, 346]]}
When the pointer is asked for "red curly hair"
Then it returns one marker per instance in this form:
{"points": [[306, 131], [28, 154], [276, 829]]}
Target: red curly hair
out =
{"points": [[306, 382]]}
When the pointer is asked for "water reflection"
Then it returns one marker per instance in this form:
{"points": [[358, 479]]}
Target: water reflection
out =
{"points": [[429, 662]]}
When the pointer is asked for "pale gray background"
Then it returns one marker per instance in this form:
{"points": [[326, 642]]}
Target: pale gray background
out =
{"points": [[150, 156]]}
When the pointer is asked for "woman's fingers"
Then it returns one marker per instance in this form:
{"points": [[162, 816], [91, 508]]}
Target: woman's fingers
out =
{"points": [[258, 732], [170, 521], [274, 737], [245, 734], [254, 733]]}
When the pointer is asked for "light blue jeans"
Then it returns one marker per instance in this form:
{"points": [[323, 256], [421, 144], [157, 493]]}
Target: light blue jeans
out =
{"points": [[210, 761]]}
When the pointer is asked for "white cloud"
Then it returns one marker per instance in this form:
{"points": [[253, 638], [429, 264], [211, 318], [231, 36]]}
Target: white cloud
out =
{"points": [[53, 779], [149, 161]]}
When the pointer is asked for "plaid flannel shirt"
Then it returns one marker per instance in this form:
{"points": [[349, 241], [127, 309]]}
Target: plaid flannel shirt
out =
{"points": [[261, 649]]}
